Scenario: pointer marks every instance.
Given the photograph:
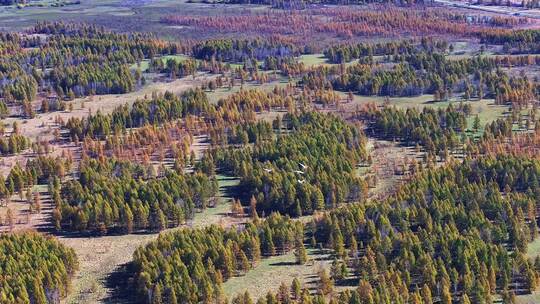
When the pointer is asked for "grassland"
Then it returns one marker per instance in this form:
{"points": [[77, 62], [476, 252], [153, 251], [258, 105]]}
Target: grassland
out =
{"points": [[220, 93], [18, 18], [272, 271], [312, 60], [101, 256], [145, 64], [486, 110], [533, 298], [120, 15], [533, 249]]}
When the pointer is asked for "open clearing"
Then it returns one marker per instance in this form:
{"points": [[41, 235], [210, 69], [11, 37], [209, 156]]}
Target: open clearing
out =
{"points": [[272, 271], [145, 64], [41, 125], [533, 248], [101, 256], [486, 110], [387, 156], [223, 92], [533, 298]]}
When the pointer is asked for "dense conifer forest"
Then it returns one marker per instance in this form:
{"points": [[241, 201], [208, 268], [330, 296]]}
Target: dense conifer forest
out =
{"points": [[269, 152], [310, 169], [124, 196], [35, 269]]}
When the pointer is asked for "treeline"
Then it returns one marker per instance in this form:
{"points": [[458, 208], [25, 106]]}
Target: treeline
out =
{"points": [[127, 197], [302, 4], [238, 108], [91, 79], [312, 168], [73, 60], [156, 110], [364, 294], [318, 27], [438, 131], [430, 241], [430, 73], [40, 170], [347, 53], [525, 144], [143, 143], [235, 115], [514, 41], [13, 143], [190, 265], [34, 268], [236, 50]]}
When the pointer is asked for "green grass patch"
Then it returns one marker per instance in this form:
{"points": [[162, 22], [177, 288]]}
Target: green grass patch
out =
{"points": [[223, 92], [211, 216], [533, 249], [528, 299], [271, 271], [145, 64], [313, 60], [486, 110], [177, 58]]}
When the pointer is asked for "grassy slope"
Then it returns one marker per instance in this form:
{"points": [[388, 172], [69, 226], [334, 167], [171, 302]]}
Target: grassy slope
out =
{"points": [[143, 65], [101, 256], [487, 111], [220, 93], [272, 271]]}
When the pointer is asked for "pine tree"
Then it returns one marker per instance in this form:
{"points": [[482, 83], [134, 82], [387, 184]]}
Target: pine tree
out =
{"points": [[37, 292], [300, 253], [128, 220], [476, 123], [426, 294], [283, 294], [326, 284], [465, 299], [253, 208], [37, 202], [296, 288], [10, 220], [446, 296], [157, 298], [243, 264], [172, 297]]}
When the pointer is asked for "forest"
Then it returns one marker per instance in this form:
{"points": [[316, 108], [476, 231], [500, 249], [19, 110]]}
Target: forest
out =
{"points": [[269, 152], [310, 169], [442, 234], [74, 61], [122, 196], [35, 269], [438, 132], [426, 242], [196, 262]]}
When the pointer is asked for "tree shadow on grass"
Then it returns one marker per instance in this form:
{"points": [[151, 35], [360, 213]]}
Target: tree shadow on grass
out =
{"points": [[284, 264], [121, 282], [230, 190], [348, 282]]}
